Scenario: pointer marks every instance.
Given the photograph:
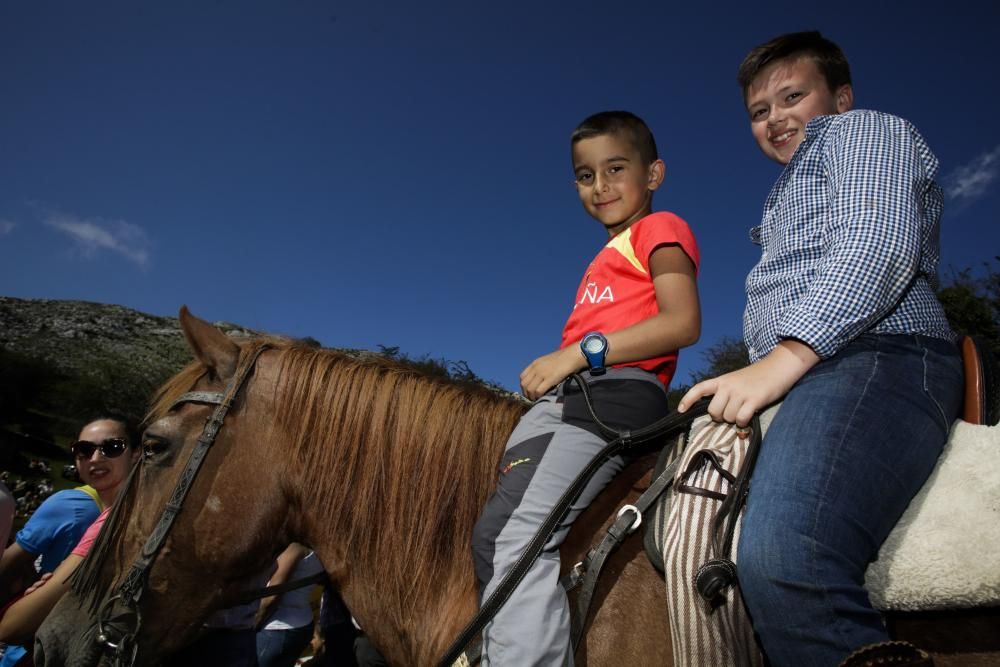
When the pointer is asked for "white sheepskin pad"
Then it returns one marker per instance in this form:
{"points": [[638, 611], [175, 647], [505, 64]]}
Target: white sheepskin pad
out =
{"points": [[945, 551]]}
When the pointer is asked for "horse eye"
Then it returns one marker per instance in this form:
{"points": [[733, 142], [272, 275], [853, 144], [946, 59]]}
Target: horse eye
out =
{"points": [[151, 448]]}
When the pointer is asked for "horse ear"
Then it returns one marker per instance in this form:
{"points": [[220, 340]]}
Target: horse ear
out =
{"points": [[209, 345]]}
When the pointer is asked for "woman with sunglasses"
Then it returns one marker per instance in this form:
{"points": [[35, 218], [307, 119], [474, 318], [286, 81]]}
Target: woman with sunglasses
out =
{"points": [[104, 454]]}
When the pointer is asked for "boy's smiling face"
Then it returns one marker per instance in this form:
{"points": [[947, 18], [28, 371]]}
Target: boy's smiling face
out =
{"points": [[786, 95], [614, 184]]}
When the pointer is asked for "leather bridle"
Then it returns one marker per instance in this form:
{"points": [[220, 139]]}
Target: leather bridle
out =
{"points": [[119, 619]]}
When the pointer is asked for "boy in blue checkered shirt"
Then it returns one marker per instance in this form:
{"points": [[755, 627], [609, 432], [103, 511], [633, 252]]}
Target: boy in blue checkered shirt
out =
{"points": [[842, 324]]}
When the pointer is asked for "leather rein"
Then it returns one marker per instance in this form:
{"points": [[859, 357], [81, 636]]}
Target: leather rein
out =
{"points": [[119, 619]]}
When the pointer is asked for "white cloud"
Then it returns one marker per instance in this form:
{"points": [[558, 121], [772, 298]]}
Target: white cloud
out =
{"points": [[972, 180], [6, 227], [92, 235]]}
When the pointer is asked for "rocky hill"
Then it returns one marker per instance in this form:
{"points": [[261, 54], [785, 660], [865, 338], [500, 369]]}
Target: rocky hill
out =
{"points": [[64, 361], [70, 334]]}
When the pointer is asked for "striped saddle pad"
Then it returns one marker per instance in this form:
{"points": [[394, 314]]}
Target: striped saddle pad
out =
{"points": [[943, 554]]}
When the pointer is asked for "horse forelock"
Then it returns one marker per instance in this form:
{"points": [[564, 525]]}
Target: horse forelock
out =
{"points": [[400, 462]]}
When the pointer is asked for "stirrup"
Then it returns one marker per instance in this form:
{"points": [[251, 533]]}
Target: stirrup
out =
{"points": [[894, 654]]}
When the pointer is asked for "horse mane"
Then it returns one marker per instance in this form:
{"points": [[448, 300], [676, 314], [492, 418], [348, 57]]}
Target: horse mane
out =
{"points": [[399, 461], [368, 435]]}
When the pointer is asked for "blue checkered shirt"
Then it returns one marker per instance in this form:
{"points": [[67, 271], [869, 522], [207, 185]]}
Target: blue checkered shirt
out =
{"points": [[849, 239]]}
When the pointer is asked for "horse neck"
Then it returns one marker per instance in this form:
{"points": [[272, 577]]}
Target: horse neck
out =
{"points": [[393, 505]]}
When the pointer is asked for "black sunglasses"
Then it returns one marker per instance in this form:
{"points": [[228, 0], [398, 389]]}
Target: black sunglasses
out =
{"points": [[111, 448]]}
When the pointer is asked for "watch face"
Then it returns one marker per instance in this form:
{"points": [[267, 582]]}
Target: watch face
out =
{"points": [[593, 344]]}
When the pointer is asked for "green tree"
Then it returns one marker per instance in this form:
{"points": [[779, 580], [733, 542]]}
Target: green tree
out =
{"points": [[724, 356], [456, 370], [972, 304]]}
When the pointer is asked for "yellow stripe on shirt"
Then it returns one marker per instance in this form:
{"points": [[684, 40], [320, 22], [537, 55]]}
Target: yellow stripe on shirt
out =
{"points": [[623, 244], [92, 492]]}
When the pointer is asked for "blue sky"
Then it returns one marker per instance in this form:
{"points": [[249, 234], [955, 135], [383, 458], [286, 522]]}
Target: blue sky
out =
{"points": [[398, 173]]}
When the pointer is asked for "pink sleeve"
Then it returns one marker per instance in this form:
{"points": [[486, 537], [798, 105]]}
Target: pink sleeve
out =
{"points": [[665, 229], [83, 546]]}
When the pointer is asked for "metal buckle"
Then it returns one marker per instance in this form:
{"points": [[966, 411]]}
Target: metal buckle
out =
{"points": [[638, 517], [123, 653]]}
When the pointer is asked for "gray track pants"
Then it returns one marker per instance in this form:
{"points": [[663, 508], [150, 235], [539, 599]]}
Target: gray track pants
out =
{"points": [[551, 445]]}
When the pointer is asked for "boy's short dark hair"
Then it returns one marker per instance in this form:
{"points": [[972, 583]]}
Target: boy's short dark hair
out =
{"points": [[623, 123], [829, 59]]}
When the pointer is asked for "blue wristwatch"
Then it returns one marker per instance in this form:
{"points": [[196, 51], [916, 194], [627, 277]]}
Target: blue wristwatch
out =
{"points": [[595, 348]]}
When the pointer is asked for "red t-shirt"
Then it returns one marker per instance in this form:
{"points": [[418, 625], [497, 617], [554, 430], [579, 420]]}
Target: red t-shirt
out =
{"points": [[617, 288]]}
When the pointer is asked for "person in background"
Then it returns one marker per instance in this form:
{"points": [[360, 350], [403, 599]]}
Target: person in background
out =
{"points": [[105, 454], [60, 521], [336, 640], [285, 622], [228, 637]]}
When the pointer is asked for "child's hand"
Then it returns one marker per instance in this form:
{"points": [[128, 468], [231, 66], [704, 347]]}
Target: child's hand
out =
{"points": [[545, 372], [738, 395]]}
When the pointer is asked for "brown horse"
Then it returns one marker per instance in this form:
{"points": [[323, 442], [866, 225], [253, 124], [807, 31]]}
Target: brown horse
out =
{"points": [[381, 469]]}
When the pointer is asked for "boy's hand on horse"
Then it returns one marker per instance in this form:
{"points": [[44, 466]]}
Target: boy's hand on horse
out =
{"points": [[547, 371], [740, 394]]}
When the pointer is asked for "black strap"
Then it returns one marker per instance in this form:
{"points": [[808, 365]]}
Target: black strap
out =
{"points": [[624, 525], [728, 514], [729, 511], [278, 589], [621, 441]]}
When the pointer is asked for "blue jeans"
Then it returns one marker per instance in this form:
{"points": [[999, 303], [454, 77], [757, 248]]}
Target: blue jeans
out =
{"points": [[281, 648], [853, 442]]}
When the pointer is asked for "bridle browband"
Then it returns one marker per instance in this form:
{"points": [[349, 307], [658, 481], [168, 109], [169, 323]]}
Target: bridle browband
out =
{"points": [[122, 646]]}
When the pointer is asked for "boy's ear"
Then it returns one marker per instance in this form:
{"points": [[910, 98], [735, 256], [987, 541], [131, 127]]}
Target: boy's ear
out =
{"points": [[845, 98], [657, 170]]}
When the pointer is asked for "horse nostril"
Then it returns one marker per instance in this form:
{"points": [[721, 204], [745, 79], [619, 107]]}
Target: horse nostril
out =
{"points": [[38, 657]]}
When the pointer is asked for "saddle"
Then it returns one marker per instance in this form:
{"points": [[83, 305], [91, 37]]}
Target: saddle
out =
{"points": [[982, 383]]}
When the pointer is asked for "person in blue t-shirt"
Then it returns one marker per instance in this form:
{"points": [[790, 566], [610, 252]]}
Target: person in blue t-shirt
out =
{"points": [[59, 522], [104, 455]]}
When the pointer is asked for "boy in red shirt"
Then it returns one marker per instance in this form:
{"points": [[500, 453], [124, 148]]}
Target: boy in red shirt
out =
{"points": [[640, 294]]}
